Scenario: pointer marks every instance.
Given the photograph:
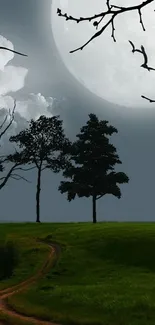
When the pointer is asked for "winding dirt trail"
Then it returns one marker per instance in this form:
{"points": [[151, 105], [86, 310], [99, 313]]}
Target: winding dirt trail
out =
{"points": [[53, 256]]}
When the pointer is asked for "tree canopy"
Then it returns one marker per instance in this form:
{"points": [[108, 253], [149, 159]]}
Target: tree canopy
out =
{"points": [[92, 164], [41, 146]]}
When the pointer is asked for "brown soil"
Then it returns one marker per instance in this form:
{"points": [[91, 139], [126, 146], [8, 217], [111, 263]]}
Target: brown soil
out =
{"points": [[4, 294]]}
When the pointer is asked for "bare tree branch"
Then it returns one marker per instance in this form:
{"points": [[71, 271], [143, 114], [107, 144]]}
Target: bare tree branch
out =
{"points": [[99, 197], [143, 52], [111, 10], [4, 158], [13, 175], [150, 100], [7, 49], [11, 114], [18, 177], [25, 169], [144, 65], [1, 126], [7, 176], [45, 167]]}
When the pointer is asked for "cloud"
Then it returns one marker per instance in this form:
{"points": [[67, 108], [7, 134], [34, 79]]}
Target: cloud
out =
{"points": [[12, 78], [34, 106], [5, 56], [31, 107]]}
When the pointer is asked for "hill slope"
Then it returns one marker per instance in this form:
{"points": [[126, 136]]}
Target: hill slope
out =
{"points": [[105, 274]]}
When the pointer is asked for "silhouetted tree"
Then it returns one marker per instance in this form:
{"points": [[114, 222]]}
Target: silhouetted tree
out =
{"points": [[41, 145], [92, 161], [10, 115], [3, 159], [3, 129], [99, 21]]}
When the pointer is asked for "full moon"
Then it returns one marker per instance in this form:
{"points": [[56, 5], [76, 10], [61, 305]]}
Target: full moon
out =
{"points": [[108, 69]]}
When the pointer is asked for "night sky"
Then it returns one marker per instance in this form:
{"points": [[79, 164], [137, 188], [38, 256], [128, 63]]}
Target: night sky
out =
{"points": [[49, 87]]}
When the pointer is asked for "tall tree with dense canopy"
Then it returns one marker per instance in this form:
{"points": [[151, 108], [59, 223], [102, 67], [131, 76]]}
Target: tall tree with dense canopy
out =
{"points": [[41, 143], [92, 161]]}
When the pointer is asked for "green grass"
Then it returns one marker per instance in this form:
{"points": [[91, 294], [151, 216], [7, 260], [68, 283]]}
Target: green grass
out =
{"points": [[31, 254], [105, 275]]}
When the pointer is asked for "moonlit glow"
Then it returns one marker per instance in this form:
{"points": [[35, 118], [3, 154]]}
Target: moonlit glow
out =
{"points": [[108, 69]]}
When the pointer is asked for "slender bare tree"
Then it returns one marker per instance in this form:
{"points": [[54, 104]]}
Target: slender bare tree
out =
{"points": [[98, 20], [4, 126], [11, 173], [10, 115]]}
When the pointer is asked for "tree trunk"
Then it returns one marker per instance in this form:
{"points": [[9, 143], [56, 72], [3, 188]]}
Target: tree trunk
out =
{"points": [[94, 209], [38, 196]]}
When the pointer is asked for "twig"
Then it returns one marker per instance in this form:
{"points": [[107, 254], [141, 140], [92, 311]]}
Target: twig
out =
{"points": [[111, 10], [11, 120], [25, 169], [18, 177], [143, 52], [7, 49], [150, 100]]}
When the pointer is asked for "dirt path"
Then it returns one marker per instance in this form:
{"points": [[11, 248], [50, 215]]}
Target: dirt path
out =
{"points": [[53, 256]]}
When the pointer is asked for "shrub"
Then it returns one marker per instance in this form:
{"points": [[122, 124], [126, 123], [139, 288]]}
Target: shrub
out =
{"points": [[9, 258]]}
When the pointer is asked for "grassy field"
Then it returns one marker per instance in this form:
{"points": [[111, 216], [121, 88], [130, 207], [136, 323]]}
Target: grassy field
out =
{"points": [[31, 254], [105, 275]]}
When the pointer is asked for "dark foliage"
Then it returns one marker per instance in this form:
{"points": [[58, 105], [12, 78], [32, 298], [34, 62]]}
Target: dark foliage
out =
{"points": [[41, 146], [92, 162], [9, 259]]}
